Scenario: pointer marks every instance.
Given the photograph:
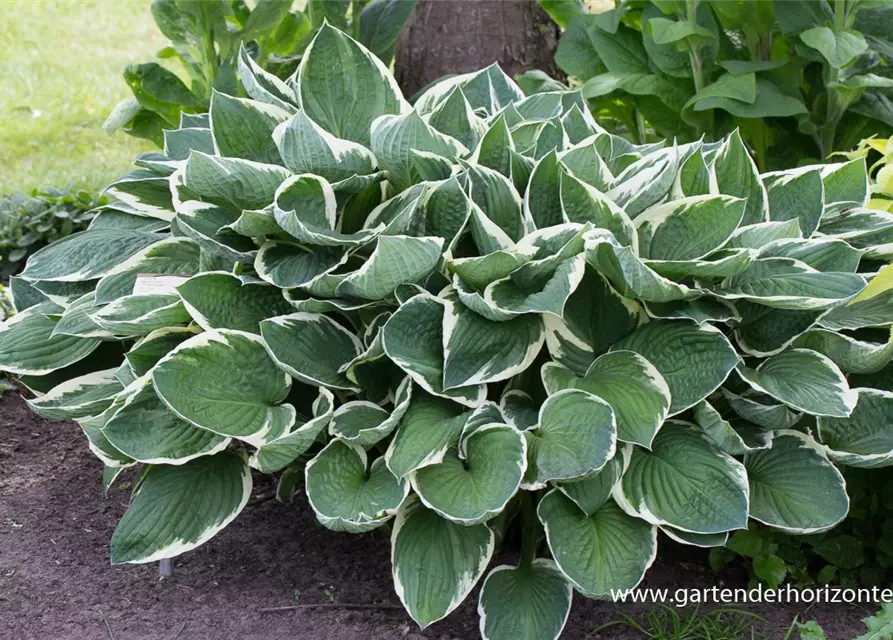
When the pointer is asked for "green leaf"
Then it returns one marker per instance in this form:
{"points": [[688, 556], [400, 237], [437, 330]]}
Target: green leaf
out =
{"points": [[577, 54], [474, 481], [220, 300], [178, 508], [146, 353], [413, 338], [785, 283], [243, 128], [562, 12], [594, 490], [797, 196], [79, 397], [851, 355], [225, 382], [804, 380], [366, 423], [736, 437], [455, 117], [737, 175], [694, 360], [741, 87], [278, 454], [575, 433], [686, 482], [28, 346], [524, 603], [381, 22], [395, 260], [436, 563], [633, 387], [682, 33], [839, 47], [599, 552], [347, 494], [863, 439], [582, 203], [793, 487], [428, 428], [335, 71], [770, 569], [232, 183], [139, 315], [144, 429], [690, 228], [394, 137], [262, 85], [305, 147], [160, 90], [480, 351], [312, 348], [87, 255]]}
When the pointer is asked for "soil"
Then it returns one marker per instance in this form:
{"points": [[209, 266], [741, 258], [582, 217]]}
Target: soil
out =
{"points": [[56, 582]]}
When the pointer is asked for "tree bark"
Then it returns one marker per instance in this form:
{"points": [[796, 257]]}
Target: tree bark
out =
{"points": [[446, 37]]}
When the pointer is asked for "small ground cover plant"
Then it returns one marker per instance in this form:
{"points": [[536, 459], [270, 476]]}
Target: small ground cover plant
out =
{"points": [[473, 319], [799, 78], [29, 222], [206, 36]]}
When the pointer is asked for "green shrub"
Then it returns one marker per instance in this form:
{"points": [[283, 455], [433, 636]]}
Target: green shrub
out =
{"points": [[478, 317], [28, 223], [206, 36], [800, 78]]}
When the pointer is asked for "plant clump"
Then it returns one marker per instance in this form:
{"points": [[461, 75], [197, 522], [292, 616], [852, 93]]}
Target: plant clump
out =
{"points": [[469, 317]]}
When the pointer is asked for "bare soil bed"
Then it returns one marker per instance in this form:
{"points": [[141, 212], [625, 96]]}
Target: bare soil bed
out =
{"points": [[56, 582]]}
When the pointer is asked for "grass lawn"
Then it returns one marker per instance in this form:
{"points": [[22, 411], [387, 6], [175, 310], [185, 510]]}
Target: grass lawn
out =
{"points": [[60, 75]]}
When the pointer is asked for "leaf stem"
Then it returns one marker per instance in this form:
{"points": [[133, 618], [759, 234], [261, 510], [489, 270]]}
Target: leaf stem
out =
{"points": [[531, 530], [697, 64]]}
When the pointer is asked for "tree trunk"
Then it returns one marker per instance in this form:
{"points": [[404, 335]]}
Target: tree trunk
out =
{"points": [[446, 37]]}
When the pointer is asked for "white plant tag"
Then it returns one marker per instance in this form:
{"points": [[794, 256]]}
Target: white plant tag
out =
{"points": [[156, 283]]}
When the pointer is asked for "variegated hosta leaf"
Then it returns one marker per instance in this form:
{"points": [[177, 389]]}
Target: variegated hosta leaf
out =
{"points": [[436, 563], [498, 200], [344, 87], [595, 316], [599, 552], [243, 128], [277, 454], [804, 380], [865, 438], [311, 347], [220, 300], [476, 488], [262, 85], [685, 482], [232, 183], [225, 382], [395, 260], [178, 508], [793, 486], [395, 137], [628, 274], [737, 175], [688, 229], [583, 203], [288, 265], [693, 359], [348, 494], [576, 433], [645, 182], [822, 254], [87, 255], [28, 345], [796, 195], [144, 429], [480, 351], [146, 353], [633, 387], [762, 410], [138, 315], [365, 423], [428, 428], [80, 397], [524, 603], [455, 117], [786, 283], [143, 193], [171, 257], [594, 489], [851, 355], [305, 147], [413, 338], [734, 436]]}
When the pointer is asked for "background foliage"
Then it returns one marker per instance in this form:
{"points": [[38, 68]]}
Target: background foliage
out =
{"points": [[800, 78]]}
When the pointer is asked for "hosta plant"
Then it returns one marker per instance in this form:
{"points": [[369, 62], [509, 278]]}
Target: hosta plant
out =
{"points": [[479, 320]]}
